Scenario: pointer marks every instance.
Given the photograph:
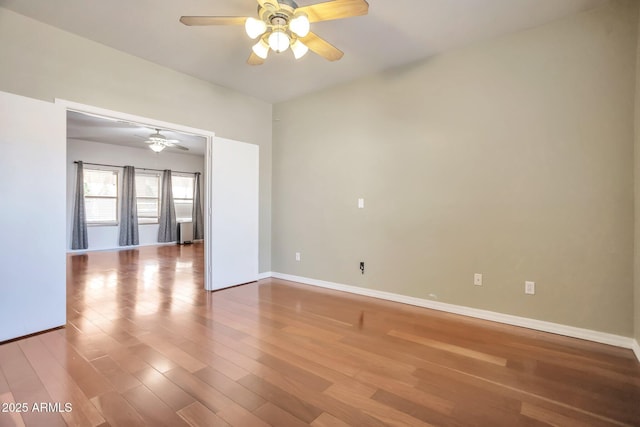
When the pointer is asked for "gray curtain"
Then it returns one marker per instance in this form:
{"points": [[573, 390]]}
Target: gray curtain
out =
{"points": [[79, 238], [198, 227], [168, 229], [128, 209]]}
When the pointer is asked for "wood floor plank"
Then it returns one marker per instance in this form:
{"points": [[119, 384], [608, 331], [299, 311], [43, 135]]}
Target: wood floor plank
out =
{"points": [[60, 386], [197, 415], [83, 373], [500, 361], [503, 397], [413, 409], [221, 364], [235, 391], [295, 405], [549, 417], [203, 392], [26, 387], [237, 416], [409, 392], [294, 372], [173, 353], [10, 418], [384, 413], [165, 389], [313, 332], [153, 357], [328, 420], [309, 351], [128, 361], [550, 413], [276, 416], [117, 410], [153, 410], [118, 377], [4, 386]]}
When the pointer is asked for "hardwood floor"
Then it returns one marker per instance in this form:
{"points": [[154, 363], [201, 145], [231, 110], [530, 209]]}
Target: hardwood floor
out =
{"points": [[146, 345]]}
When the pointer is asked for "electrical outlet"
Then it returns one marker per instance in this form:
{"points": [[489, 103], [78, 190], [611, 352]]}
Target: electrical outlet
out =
{"points": [[297, 256], [530, 288], [477, 279], [362, 266], [361, 203]]}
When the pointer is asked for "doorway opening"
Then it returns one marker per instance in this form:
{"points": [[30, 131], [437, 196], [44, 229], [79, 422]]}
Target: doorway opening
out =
{"points": [[106, 141]]}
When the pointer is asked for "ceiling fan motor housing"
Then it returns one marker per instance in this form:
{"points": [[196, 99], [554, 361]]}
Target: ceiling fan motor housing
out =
{"points": [[275, 16], [286, 3]]}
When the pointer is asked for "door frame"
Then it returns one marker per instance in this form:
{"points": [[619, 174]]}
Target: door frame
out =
{"points": [[208, 163]]}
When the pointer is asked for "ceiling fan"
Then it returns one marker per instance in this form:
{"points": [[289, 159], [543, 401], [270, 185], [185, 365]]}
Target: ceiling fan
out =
{"points": [[158, 142], [283, 25]]}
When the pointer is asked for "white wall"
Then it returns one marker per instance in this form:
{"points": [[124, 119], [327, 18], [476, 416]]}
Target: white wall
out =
{"points": [[235, 213], [106, 237], [32, 261]]}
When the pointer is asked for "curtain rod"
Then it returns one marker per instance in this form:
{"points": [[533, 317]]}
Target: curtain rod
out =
{"points": [[142, 169]]}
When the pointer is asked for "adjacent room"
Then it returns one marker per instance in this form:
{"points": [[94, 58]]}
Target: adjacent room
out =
{"points": [[413, 213], [105, 146]]}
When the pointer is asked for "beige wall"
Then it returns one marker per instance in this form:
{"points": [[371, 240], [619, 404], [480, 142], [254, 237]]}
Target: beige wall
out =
{"points": [[512, 158], [42, 62]]}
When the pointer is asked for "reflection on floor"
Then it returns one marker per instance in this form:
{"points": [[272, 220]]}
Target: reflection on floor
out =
{"points": [[146, 345]]}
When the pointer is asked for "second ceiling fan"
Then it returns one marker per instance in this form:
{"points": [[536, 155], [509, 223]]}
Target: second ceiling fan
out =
{"points": [[283, 25]]}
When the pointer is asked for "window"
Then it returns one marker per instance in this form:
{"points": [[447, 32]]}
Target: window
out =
{"points": [[101, 196], [183, 196], [147, 201]]}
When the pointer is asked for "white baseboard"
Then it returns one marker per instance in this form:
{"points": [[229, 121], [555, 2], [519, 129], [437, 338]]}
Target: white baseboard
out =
{"points": [[265, 275], [118, 248], [539, 325], [636, 349]]}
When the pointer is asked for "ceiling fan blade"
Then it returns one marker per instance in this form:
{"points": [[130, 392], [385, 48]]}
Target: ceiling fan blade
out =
{"points": [[322, 47], [213, 20], [255, 59], [336, 9], [180, 147]]}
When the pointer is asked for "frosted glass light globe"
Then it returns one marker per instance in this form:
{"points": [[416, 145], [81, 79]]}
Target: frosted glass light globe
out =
{"points": [[300, 25], [279, 40], [261, 49], [254, 27], [157, 147], [299, 49]]}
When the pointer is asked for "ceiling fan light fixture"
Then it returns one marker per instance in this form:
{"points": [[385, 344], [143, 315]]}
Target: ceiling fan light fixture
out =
{"points": [[261, 49], [255, 27], [157, 146], [279, 40], [299, 49], [300, 25]]}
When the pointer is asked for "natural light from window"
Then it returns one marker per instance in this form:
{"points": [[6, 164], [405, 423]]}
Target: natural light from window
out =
{"points": [[147, 201], [101, 196], [183, 197]]}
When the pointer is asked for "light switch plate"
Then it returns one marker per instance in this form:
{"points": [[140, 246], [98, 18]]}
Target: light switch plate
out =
{"points": [[477, 279], [530, 288]]}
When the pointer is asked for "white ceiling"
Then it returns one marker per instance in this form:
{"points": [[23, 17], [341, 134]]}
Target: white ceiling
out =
{"points": [[394, 33], [84, 127]]}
